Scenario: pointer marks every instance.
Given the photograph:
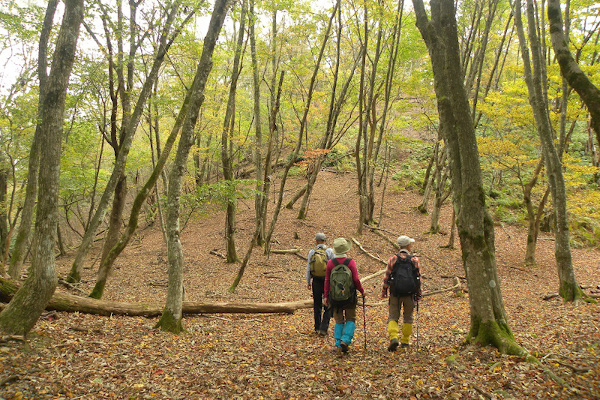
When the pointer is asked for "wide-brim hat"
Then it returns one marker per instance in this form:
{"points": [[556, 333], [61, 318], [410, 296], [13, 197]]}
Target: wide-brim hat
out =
{"points": [[404, 241], [341, 246]]}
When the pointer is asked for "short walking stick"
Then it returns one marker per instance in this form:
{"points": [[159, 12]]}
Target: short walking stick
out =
{"points": [[364, 322]]}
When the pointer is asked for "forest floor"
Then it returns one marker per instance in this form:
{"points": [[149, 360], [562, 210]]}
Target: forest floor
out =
{"points": [[266, 356]]}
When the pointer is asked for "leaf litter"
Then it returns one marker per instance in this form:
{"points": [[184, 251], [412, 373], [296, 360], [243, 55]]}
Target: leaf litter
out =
{"points": [[263, 356]]}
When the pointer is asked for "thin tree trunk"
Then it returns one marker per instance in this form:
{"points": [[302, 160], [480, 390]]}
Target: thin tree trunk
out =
{"points": [[172, 313], [226, 139], [109, 259], [258, 140], [452, 237], [4, 239], [532, 232], [25, 308], [363, 112], [439, 197], [303, 123], [127, 139], [275, 102], [333, 114]]}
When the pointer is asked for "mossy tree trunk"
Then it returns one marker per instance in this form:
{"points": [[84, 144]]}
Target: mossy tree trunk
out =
{"points": [[569, 68], [489, 325], [25, 308], [535, 78], [172, 313], [24, 231]]}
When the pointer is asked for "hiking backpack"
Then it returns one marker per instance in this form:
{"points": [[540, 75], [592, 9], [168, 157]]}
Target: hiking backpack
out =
{"points": [[341, 285], [318, 263], [404, 279]]}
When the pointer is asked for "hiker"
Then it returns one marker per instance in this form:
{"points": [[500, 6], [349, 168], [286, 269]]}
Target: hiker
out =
{"points": [[403, 279], [316, 267], [341, 284]]}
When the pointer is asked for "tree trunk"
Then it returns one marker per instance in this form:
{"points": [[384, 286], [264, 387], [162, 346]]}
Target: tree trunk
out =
{"points": [[489, 324], [429, 178], [439, 178], [301, 131], [258, 139], [569, 68], [127, 135], [335, 107], [275, 104], [532, 232], [439, 197], [569, 290], [226, 140], [109, 258], [172, 313], [71, 303], [363, 112], [114, 228], [24, 232], [23, 311], [4, 239]]}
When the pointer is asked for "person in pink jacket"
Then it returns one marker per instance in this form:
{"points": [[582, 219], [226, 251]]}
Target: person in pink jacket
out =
{"points": [[342, 277]]}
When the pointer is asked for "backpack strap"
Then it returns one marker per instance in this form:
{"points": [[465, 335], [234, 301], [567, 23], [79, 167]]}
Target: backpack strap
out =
{"points": [[408, 257], [346, 262]]}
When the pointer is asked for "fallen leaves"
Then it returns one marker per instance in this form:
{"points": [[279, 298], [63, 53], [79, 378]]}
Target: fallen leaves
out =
{"points": [[275, 357]]}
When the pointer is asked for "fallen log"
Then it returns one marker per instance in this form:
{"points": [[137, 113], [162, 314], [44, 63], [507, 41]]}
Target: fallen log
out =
{"points": [[71, 303], [288, 251]]}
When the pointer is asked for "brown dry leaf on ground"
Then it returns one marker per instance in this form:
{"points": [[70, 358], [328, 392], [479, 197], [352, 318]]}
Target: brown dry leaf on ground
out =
{"points": [[76, 356]]}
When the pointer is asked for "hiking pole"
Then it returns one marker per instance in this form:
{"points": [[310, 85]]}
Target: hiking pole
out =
{"points": [[417, 325], [365, 322]]}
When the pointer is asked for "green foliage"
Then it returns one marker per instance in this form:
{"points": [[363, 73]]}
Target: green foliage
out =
{"points": [[218, 194], [414, 155]]}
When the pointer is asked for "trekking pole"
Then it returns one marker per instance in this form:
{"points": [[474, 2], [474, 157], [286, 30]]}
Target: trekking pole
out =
{"points": [[417, 325], [365, 322]]}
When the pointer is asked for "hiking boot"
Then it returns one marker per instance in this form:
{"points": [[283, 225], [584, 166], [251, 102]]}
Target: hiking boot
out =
{"points": [[322, 333], [404, 345], [393, 345], [344, 347]]}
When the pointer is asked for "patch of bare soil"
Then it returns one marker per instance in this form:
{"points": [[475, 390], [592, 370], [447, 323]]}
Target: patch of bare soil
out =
{"points": [[256, 356]]}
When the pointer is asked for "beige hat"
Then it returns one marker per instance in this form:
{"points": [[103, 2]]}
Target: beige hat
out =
{"points": [[404, 241], [320, 237], [340, 247]]}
